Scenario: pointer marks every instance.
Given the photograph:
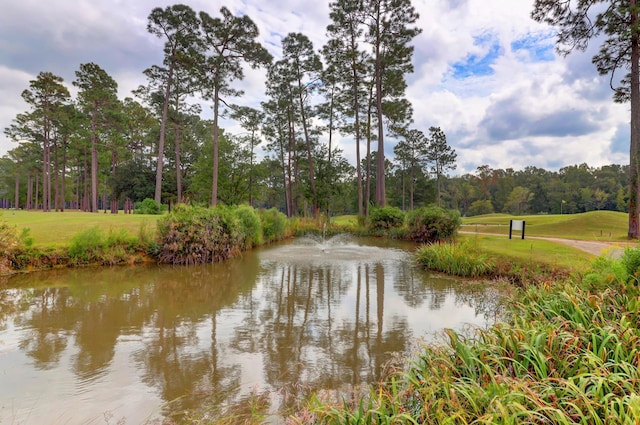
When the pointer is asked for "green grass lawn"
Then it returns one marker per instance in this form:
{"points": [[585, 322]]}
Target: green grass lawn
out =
{"points": [[55, 229], [594, 225], [533, 251]]}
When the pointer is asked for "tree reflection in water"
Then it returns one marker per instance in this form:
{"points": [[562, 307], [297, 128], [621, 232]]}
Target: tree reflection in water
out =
{"points": [[150, 341]]}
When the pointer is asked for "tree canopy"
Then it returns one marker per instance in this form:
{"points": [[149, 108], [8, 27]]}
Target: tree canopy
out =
{"points": [[615, 25]]}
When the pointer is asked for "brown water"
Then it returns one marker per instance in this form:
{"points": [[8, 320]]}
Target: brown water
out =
{"points": [[142, 344]]}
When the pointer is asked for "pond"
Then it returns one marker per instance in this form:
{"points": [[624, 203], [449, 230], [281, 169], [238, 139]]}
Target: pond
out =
{"points": [[143, 344]]}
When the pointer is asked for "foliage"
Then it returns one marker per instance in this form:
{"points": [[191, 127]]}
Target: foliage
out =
{"points": [[605, 272], [631, 262], [615, 25], [432, 224], [148, 206], [564, 355], [133, 180], [480, 207], [85, 246], [459, 259], [92, 245], [197, 235], [385, 218], [8, 243], [274, 225], [250, 226]]}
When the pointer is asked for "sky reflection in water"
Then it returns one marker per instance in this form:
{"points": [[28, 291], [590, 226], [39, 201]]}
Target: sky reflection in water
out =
{"points": [[141, 343]]}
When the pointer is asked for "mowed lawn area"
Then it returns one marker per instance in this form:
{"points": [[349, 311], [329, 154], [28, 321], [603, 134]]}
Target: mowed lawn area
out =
{"points": [[608, 226], [56, 229], [490, 233]]}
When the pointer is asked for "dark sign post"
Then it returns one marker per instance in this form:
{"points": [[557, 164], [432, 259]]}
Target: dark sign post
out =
{"points": [[516, 225]]}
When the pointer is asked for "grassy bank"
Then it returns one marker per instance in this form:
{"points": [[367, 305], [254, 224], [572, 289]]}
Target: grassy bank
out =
{"points": [[594, 225], [566, 352], [566, 355], [56, 229], [32, 240]]}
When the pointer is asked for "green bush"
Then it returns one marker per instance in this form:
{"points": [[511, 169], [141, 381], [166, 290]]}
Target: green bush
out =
{"points": [[631, 262], [387, 218], [146, 237], [432, 224], [86, 246], [605, 271], [121, 238], [197, 235], [148, 206], [480, 207], [250, 226], [9, 241], [274, 225]]}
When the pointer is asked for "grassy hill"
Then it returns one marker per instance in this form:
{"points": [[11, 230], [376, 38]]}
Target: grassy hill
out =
{"points": [[594, 225]]}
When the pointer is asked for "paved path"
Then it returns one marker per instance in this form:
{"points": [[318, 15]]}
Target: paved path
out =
{"points": [[612, 249]]}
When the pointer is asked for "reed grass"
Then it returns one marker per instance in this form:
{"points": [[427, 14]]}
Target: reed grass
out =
{"points": [[565, 353], [459, 259]]}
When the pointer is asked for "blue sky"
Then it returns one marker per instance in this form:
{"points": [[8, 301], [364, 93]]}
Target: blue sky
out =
{"points": [[485, 72]]}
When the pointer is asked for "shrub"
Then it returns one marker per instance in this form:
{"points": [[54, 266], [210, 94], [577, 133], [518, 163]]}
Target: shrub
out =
{"points": [[197, 235], [480, 208], [631, 261], [387, 218], [274, 225], [121, 238], [86, 246], [8, 244], [432, 224], [148, 206], [25, 238], [146, 237], [605, 271], [250, 226]]}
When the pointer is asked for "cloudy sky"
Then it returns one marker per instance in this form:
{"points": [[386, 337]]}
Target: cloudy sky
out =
{"points": [[485, 72]]}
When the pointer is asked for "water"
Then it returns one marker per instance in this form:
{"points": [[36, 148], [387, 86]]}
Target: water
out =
{"points": [[144, 344]]}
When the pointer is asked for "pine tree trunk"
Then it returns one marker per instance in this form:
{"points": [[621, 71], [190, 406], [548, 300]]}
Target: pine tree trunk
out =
{"points": [[163, 124], [216, 141], [634, 151]]}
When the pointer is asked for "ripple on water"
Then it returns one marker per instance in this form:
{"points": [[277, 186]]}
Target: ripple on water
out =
{"points": [[339, 248]]}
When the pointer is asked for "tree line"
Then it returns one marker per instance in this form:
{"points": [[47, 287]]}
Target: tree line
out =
{"points": [[572, 189], [98, 151]]}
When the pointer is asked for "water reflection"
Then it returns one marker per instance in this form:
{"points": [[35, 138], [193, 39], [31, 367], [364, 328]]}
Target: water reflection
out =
{"points": [[151, 342]]}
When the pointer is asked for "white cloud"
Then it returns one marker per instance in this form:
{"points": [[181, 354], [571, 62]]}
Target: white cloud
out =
{"points": [[516, 103]]}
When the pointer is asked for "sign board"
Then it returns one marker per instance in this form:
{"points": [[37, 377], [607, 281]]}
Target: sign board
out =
{"points": [[517, 225]]}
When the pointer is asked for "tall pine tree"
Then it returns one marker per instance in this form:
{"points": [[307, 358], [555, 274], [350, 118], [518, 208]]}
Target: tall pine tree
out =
{"points": [[615, 24]]}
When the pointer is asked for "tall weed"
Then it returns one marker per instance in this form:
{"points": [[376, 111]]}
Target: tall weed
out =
{"points": [[8, 244], [459, 259], [86, 246], [566, 356]]}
